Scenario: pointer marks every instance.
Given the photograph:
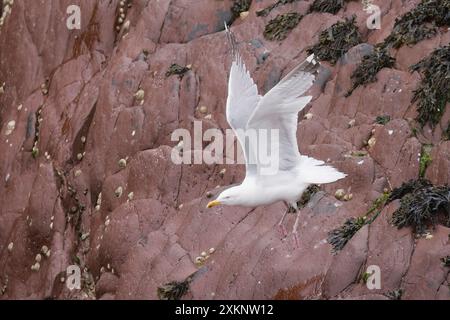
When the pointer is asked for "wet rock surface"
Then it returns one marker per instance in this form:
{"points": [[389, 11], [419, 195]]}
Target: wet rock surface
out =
{"points": [[86, 166]]}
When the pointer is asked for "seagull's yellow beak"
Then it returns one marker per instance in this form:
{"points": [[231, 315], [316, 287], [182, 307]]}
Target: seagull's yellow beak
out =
{"points": [[213, 204]]}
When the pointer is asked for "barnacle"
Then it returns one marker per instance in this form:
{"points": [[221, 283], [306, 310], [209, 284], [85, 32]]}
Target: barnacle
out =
{"points": [[122, 10], [339, 194], [5, 10]]}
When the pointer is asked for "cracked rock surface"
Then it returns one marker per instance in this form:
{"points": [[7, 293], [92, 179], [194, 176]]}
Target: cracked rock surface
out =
{"points": [[87, 172]]}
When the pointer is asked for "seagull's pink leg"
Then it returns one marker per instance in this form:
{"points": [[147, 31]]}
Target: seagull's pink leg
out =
{"points": [[294, 229], [281, 228]]}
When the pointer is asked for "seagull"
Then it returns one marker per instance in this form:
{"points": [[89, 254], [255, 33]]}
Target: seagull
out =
{"points": [[277, 110]]}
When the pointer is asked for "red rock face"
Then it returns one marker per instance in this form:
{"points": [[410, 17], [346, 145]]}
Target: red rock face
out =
{"points": [[150, 222]]}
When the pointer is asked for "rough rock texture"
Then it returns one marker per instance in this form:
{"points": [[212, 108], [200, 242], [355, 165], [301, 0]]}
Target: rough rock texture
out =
{"points": [[128, 245]]}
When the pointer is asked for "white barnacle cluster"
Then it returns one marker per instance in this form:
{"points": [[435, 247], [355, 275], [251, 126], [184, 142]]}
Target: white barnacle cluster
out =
{"points": [[6, 10], [366, 4], [99, 202], [340, 194], [44, 253], [44, 87], [204, 256], [10, 126], [139, 96], [124, 5]]}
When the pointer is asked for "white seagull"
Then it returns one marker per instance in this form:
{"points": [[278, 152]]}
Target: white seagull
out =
{"points": [[277, 110]]}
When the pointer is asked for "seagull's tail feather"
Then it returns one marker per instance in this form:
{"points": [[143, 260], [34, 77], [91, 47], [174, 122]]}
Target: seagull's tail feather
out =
{"points": [[313, 171]]}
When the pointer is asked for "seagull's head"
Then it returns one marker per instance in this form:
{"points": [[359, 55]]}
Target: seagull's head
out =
{"points": [[229, 197]]}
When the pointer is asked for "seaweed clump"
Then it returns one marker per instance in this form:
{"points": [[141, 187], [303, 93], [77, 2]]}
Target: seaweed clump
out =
{"points": [[420, 23], [383, 120], [414, 26], [175, 290], [240, 6], [408, 187], [329, 6], [434, 91], [446, 261], [420, 205], [371, 64], [335, 41], [176, 69], [279, 27], [307, 195], [339, 237], [265, 12], [395, 294]]}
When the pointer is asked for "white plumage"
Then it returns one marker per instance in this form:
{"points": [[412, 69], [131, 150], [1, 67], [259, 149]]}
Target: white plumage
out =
{"points": [[246, 110]]}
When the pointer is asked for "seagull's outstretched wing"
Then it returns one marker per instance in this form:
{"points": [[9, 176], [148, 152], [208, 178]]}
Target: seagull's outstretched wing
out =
{"points": [[279, 109], [242, 100]]}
